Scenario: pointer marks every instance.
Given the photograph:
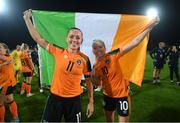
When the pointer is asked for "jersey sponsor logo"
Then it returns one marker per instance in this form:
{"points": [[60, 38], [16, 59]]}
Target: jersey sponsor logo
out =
{"points": [[107, 61], [78, 61]]}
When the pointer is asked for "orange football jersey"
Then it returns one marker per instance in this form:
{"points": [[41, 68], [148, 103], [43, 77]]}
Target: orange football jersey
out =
{"points": [[26, 63], [7, 72], [68, 72], [109, 70]]}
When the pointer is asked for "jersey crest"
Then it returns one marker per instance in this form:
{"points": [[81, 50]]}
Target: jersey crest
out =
{"points": [[78, 61], [107, 61]]}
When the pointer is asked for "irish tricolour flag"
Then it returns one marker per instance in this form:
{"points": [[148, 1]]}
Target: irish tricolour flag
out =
{"points": [[116, 30]]}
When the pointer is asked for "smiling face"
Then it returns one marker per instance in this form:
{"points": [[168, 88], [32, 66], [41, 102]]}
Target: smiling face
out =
{"points": [[98, 48], [74, 39]]}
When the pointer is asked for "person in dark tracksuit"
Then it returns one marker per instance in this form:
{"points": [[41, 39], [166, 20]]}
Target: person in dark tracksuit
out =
{"points": [[34, 55], [173, 57], [35, 59], [159, 59]]}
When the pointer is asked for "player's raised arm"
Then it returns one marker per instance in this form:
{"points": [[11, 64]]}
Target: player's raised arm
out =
{"points": [[33, 32], [140, 37]]}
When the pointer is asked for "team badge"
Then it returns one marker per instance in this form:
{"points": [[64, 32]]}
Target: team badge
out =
{"points": [[65, 56], [107, 61], [78, 62]]}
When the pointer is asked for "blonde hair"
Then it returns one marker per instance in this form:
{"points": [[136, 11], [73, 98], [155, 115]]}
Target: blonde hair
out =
{"points": [[99, 41], [25, 47], [5, 47]]}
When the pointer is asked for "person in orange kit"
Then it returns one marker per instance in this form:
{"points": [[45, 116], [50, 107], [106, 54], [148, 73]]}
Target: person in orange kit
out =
{"points": [[27, 70], [108, 71], [64, 99], [7, 84]]}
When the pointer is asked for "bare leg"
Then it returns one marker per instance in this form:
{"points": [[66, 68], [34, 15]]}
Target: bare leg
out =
{"points": [[158, 75], [154, 75], [123, 119], [109, 116]]}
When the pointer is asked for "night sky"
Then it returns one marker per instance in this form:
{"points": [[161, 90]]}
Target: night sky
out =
{"points": [[13, 30]]}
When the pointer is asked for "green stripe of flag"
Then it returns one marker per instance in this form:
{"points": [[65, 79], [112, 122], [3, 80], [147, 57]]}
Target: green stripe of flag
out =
{"points": [[53, 27]]}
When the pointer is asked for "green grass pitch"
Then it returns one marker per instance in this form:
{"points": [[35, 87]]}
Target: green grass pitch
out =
{"points": [[150, 103]]}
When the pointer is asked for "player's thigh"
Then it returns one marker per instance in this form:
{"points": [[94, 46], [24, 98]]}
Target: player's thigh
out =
{"points": [[109, 103], [72, 109], [53, 109], [109, 115]]}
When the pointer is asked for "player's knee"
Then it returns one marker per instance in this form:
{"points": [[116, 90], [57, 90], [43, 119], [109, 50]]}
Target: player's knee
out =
{"points": [[123, 119], [9, 99]]}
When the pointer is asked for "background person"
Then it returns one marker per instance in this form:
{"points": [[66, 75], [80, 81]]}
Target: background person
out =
{"points": [[173, 62], [159, 59]]}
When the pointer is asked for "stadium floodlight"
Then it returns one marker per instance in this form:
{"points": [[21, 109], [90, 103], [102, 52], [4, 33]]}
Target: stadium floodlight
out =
{"points": [[152, 13], [2, 6]]}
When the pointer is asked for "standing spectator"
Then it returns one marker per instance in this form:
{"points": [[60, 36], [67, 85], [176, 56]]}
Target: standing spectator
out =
{"points": [[173, 56], [159, 59], [34, 55], [35, 59]]}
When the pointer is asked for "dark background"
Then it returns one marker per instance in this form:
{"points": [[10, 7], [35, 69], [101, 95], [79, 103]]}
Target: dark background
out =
{"points": [[13, 30]]}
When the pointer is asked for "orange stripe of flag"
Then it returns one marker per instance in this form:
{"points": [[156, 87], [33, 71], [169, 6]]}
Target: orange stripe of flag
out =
{"points": [[132, 63]]}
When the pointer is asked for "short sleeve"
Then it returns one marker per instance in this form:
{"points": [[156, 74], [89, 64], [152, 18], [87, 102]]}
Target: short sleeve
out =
{"points": [[51, 49], [116, 53]]}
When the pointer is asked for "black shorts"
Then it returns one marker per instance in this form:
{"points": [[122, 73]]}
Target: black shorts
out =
{"points": [[57, 106], [158, 65], [8, 90], [121, 105], [27, 74]]}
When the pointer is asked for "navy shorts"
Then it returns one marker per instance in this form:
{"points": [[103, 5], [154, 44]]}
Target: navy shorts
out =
{"points": [[27, 74], [8, 90], [57, 106], [121, 105], [158, 65]]}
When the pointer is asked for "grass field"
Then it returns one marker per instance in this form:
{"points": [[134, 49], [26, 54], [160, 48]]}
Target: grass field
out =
{"points": [[150, 103]]}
